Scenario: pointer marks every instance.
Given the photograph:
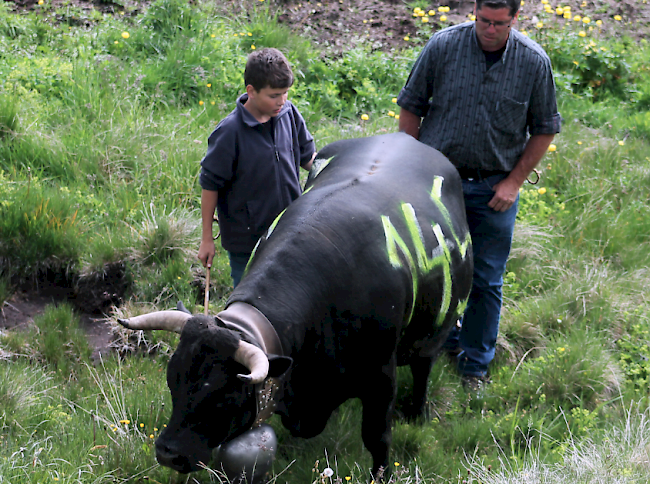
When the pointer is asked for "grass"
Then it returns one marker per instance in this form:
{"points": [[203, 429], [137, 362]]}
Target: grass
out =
{"points": [[101, 138]]}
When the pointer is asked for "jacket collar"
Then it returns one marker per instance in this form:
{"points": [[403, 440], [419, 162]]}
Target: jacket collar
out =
{"points": [[248, 118]]}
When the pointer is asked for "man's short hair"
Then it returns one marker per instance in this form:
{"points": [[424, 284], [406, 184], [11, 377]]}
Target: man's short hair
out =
{"points": [[513, 5], [268, 68]]}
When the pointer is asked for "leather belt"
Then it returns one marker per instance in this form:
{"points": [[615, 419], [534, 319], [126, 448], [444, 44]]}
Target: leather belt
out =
{"points": [[478, 174]]}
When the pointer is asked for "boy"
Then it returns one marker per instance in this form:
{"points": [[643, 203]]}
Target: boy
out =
{"points": [[250, 172]]}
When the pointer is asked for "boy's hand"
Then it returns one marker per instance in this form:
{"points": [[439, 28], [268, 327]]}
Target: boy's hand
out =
{"points": [[206, 252]]}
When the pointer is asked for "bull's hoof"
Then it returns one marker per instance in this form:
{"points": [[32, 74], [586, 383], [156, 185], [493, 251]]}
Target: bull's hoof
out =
{"points": [[248, 458]]}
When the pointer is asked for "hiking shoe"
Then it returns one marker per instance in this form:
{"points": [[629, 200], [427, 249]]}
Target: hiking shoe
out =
{"points": [[475, 384]]}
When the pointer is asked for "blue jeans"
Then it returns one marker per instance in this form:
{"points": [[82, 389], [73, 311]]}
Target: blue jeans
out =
{"points": [[238, 263], [491, 241]]}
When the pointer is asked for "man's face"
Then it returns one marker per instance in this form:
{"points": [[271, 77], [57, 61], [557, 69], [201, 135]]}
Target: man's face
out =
{"points": [[493, 27], [265, 103]]}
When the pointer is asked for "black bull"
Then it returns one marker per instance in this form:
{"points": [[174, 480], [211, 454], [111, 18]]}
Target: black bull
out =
{"points": [[367, 271]]}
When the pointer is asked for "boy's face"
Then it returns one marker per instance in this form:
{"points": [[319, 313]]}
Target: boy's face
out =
{"points": [[265, 103]]}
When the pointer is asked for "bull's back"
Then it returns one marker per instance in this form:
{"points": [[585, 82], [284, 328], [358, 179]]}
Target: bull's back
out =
{"points": [[374, 242]]}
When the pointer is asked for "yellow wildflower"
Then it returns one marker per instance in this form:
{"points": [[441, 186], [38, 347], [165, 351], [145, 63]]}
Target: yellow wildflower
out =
{"points": [[252, 47], [200, 103], [348, 478], [621, 142], [391, 114], [41, 2], [397, 116], [618, 17], [407, 38], [141, 425], [425, 19], [586, 20], [539, 25], [599, 22], [523, 3], [394, 100], [443, 18], [212, 35], [541, 191], [552, 148], [579, 142], [125, 422], [249, 34], [125, 35], [472, 17], [151, 436], [432, 13], [396, 464], [577, 18], [559, 10], [582, 33], [365, 117]]}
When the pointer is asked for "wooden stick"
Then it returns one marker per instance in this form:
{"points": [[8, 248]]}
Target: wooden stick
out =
{"points": [[207, 290]]}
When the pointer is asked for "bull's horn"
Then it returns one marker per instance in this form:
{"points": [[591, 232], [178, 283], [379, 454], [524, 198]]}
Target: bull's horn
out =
{"points": [[167, 320], [255, 360]]}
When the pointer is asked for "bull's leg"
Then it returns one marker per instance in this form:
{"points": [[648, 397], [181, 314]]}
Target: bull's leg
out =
{"points": [[420, 369], [378, 406]]}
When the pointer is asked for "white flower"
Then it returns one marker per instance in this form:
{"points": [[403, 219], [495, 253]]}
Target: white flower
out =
{"points": [[327, 472]]}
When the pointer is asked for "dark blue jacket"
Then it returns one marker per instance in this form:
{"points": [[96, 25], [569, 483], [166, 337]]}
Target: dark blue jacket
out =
{"points": [[255, 169]]}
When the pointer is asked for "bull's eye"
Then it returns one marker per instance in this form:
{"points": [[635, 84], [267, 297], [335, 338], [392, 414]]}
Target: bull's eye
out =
{"points": [[206, 385]]}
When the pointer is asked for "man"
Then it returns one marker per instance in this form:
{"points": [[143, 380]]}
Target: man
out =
{"points": [[487, 96]]}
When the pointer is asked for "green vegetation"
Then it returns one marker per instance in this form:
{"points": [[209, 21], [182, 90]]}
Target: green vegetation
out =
{"points": [[101, 132]]}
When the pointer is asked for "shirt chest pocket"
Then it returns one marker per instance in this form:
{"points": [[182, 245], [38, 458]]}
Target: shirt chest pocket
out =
{"points": [[510, 116]]}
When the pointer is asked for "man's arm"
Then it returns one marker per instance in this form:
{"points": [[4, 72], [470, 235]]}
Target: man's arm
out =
{"points": [[507, 189], [208, 205], [409, 123], [311, 162]]}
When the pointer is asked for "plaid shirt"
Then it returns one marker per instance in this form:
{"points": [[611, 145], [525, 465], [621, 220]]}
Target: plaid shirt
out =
{"points": [[477, 118]]}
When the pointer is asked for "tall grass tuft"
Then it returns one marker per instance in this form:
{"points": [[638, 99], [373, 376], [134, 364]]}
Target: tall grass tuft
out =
{"points": [[22, 386], [620, 454], [61, 343], [163, 236]]}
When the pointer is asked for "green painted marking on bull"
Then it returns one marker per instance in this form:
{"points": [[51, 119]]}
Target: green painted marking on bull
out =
{"points": [[426, 263], [420, 261], [319, 164], [436, 196], [269, 231], [394, 242]]}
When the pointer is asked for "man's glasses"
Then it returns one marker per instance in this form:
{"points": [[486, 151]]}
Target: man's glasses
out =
{"points": [[501, 24]]}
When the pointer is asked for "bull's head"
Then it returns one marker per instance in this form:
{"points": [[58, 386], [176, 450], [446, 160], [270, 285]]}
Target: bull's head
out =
{"points": [[212, 377]]}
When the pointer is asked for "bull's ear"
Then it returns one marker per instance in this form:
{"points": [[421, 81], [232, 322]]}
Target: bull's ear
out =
{"points": [[278, 365], [219, 322]]}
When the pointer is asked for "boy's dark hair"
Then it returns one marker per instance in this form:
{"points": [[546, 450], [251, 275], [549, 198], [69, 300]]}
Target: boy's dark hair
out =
{"points": [[268, 68], [513, 5]]}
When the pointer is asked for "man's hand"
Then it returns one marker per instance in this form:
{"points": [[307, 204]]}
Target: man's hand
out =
{"points": [[507, 189], [505, 194], [206, 252], [208, 204]]}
